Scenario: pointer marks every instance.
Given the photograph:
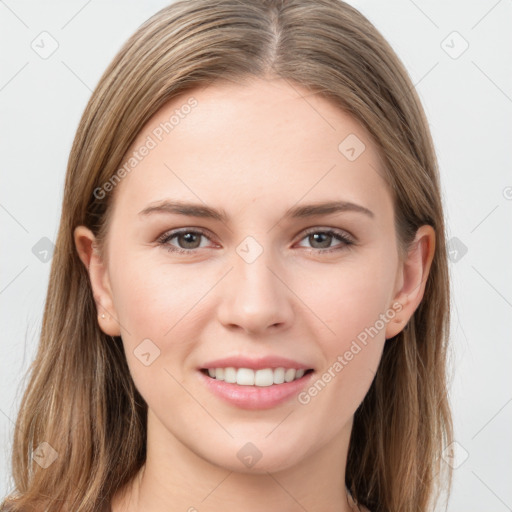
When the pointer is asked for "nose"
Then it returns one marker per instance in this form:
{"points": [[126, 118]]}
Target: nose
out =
{"points": [[255, 296]]}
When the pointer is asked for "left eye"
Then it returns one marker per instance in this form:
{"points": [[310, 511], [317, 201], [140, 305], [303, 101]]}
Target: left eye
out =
{"points": [[189, 240], [324, 238]]}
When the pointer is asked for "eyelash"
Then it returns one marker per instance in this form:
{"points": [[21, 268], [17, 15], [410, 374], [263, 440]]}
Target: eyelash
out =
{"points": [[167, 237]]}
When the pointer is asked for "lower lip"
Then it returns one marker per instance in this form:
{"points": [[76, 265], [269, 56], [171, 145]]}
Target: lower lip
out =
{"points": [[255, 397]]}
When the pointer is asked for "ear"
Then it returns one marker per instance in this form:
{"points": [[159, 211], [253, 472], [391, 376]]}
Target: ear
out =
{"points": [[412, 278], [85, 243]]}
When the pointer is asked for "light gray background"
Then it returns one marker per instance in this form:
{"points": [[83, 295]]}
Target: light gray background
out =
{"points": [[468, 100]]}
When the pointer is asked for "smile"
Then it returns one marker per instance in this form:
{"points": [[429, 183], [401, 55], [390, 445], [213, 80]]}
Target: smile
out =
{"points": [[262, 377]]}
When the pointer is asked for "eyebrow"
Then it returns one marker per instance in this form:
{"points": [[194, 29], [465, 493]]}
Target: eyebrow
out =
{"points": [[203, 211]]}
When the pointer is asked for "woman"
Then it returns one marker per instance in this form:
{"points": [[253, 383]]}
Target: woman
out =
{"points": [[249, 299]]}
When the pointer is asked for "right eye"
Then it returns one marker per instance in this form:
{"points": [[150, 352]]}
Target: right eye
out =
{"points": [[188, 239]]}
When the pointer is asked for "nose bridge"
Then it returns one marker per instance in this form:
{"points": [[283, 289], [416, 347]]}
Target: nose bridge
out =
{"points": [[254, 299], [252, 271]]}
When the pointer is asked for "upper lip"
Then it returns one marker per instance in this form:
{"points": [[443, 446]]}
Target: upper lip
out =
{"points": [[255, 363]]}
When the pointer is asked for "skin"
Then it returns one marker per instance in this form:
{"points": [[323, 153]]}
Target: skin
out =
{"points": [[277, 147]]}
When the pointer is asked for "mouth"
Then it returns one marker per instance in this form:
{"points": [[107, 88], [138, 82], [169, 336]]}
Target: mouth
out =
{"points": [[255, 389], [263, 377]]}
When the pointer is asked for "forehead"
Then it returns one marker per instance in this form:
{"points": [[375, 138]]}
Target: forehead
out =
{"points": [[262, 140]]}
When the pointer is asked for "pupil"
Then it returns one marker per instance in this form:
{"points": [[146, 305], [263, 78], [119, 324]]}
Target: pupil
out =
{"points": [[319, 236], [189, 238]]}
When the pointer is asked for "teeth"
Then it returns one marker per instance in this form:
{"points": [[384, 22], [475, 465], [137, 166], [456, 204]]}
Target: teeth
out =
{"points": [[229, 375], [245, 377], [278, 375], [262, 378]]}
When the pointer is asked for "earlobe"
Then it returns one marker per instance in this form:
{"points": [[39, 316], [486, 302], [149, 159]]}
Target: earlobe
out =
{"points": [[86, 246], [413, 278]]}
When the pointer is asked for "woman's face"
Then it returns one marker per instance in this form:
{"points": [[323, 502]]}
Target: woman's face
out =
{"points": [[219, 248]]}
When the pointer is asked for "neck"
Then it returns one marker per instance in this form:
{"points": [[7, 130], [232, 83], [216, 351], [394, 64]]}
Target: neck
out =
{"points": [[174, 478]]}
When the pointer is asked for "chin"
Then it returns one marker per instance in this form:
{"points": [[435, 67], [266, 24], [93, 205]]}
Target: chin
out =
{"points": [[249, 459]]}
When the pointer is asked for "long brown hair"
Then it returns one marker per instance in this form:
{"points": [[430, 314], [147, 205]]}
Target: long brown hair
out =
{"points": [[81, 399]]}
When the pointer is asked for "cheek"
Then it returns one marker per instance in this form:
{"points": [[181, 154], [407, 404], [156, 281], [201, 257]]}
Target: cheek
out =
{"points": [[151, 299], [349, 297], [352, 299], [155, 307], [352, 348]]}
